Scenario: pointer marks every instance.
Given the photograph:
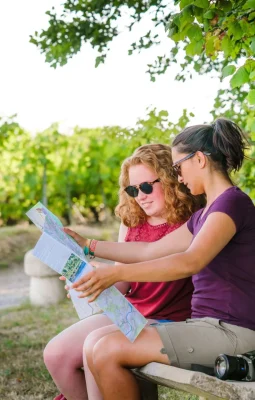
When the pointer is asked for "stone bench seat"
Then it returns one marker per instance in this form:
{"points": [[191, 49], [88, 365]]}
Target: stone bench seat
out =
{"points": [[45, 286], [202, 385]]}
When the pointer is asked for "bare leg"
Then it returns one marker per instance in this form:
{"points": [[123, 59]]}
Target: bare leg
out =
{"points": [[63, 356], [93, 390], [111, 357], [93, 385]]}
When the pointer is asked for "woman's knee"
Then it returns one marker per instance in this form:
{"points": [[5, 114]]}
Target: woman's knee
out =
{"points": [[54, 354], [93, 338], [88, 346], [105, 353]]}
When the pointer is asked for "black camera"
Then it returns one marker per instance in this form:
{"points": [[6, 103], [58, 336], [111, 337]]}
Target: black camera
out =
{"points": [[237, 368]]}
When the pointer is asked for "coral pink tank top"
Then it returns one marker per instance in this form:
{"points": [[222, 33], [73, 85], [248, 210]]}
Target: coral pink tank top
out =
{"points": [[159, 300]]}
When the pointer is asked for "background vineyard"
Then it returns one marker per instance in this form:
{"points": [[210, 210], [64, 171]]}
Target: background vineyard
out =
{"points": [[76, 175]]}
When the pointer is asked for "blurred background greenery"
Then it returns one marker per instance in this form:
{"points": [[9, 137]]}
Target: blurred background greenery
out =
{"points": [[76, 174]]}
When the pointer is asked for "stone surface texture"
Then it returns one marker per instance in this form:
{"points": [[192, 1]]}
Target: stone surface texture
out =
{"points": [[197, 383], [45, 286], [34, 267]]}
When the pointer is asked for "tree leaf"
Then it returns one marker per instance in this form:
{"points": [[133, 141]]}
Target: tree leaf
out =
{"points": [[251, 96], [239, 78], [253, 45], [199, 46], [225, 5], [194, 48], [186, 17], [252, 75], [235, 30], [209, 46], [249, 4], [209, 14], [250, 65], [227, 46], [194, 32], [201, 3], [228, 70], [163, 113], [190, 49], [251, 16], [185, 3], [252, 127], [99, 60]]}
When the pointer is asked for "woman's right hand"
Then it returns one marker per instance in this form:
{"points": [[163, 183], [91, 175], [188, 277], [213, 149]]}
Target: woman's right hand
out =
{"points": [[83, 242]]}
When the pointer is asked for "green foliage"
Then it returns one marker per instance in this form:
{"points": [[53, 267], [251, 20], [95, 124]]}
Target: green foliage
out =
{"points": [[227, 35], [95, 22], [75, 174], [213, 33], [251, 96], [228, 70], [240, 77]]}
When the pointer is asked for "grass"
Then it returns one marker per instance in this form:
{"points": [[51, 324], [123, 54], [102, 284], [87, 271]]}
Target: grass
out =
{"points": [[24, 332], [15, 241]]}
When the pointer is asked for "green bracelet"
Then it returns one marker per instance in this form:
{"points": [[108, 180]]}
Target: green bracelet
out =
{"points": [[86, 250], [91, 254]]}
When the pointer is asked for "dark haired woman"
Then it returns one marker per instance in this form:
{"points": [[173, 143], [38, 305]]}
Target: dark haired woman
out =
{"points": [[216, 247]]}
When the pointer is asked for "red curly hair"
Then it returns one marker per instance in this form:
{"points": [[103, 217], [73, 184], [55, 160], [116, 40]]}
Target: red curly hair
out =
{"points": [[179, 203]]}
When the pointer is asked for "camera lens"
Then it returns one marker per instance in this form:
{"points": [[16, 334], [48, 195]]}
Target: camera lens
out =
{"points": [[221, 366], [229, 367]]}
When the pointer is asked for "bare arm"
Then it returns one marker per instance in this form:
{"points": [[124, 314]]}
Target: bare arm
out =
{"points": [[211, 239], [215, 234], [134, 252], [123, 287]]}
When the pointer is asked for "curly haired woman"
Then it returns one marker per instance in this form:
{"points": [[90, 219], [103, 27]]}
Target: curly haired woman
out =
{"points": [[151, 204]]}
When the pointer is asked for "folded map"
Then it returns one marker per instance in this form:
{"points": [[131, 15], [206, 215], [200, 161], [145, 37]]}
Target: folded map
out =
{"points": [[61, 253]]}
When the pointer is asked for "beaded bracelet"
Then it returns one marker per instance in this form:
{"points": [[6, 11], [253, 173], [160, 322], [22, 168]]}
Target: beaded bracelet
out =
{"points": [[90, 250], [86, 250]]}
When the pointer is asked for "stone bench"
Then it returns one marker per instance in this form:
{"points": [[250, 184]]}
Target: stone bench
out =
{"points": [[202, 385], [45, 286]]}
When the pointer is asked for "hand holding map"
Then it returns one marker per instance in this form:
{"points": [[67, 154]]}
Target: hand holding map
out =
{"points": [[58, 250]]}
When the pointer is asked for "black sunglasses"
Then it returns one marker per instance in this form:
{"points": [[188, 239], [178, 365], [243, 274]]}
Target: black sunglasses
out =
{"points": [[177, 165], [145, 187]]}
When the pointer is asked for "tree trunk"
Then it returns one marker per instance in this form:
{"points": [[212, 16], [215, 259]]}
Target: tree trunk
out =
{"points": [[44, 185], [68, 199]]}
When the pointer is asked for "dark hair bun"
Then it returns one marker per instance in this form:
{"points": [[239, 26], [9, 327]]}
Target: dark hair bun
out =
{"points": [[229, 140]]}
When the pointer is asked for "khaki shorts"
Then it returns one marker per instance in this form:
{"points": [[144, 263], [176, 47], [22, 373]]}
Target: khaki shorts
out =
{"points": [[200, 341]]}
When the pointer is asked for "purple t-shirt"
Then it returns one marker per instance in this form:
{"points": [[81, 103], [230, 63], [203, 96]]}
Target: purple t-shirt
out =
{"points": [[225, 288]]}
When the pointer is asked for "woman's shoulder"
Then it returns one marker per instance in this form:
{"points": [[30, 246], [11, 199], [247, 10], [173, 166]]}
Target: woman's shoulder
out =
{"points": [[234, 198], [238, 205]]}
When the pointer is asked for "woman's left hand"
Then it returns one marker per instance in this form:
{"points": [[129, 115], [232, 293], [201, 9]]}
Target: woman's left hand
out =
{"points": [[94, 282]]}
